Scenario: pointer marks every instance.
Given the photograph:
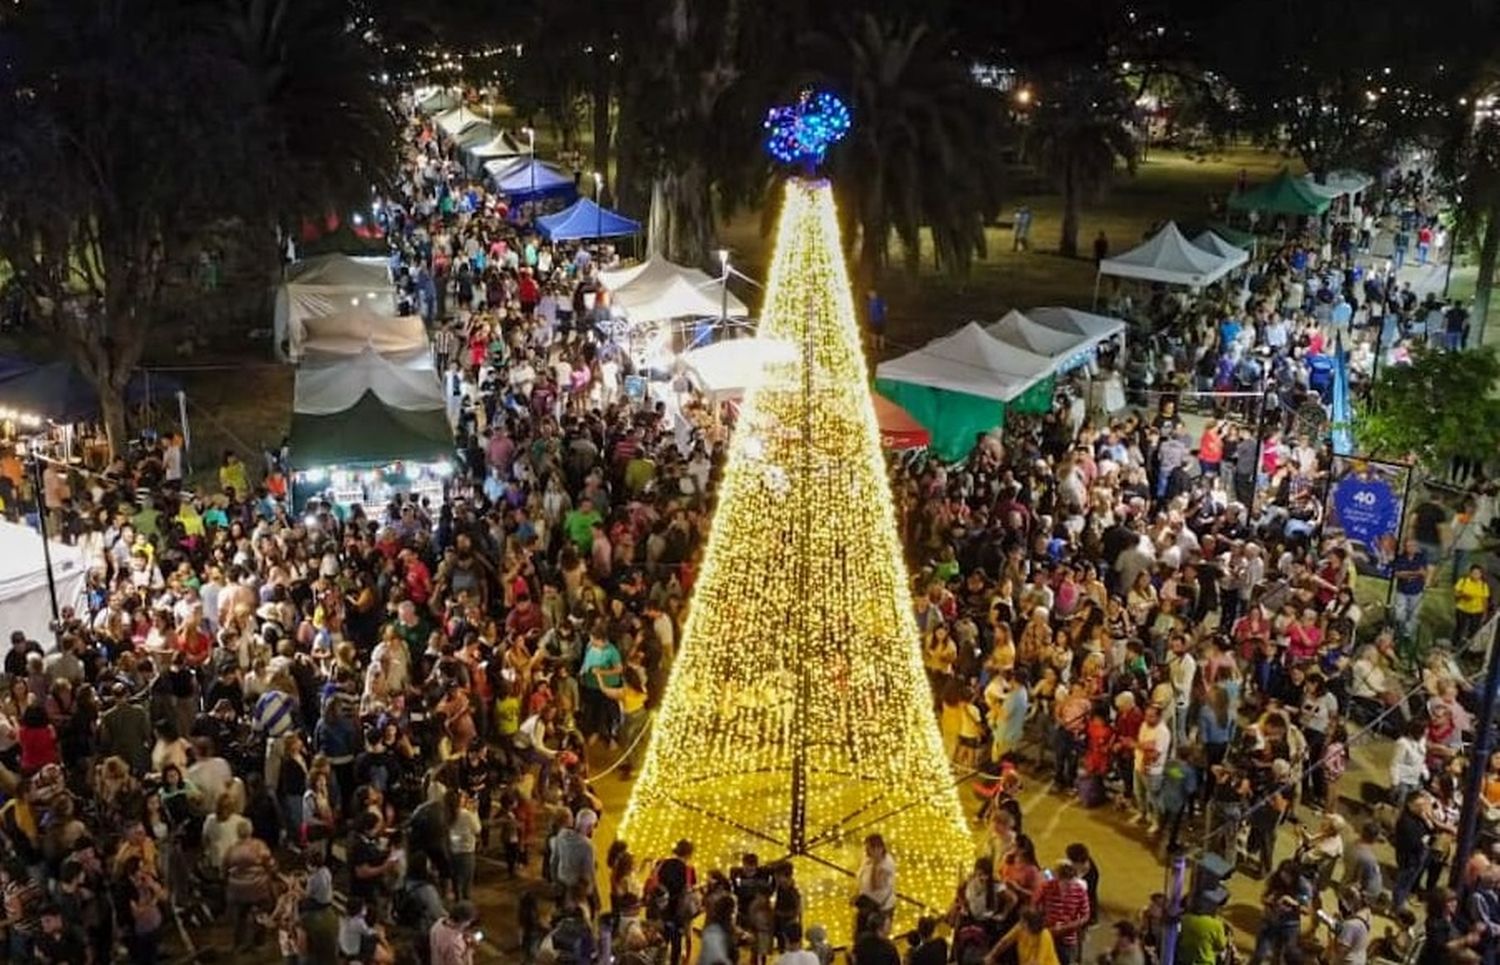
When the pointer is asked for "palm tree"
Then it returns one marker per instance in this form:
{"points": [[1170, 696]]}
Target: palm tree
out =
{"points": [[1077, 135], [924, 148], [330, 129]]}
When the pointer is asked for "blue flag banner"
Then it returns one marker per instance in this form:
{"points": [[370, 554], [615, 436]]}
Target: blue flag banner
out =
{"points": [[1365, 504], [1342, 414]]}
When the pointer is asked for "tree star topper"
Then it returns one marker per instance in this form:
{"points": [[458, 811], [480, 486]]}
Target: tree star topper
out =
{"points": [[802, 132]]}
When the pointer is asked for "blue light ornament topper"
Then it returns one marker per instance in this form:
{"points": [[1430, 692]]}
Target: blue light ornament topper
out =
{"points": [[801, 133]]}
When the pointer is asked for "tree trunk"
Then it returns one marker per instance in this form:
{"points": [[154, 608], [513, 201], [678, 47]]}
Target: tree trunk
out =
{"points": [[1484, 283], [689, 213], [1067, 245], [602, 89], [112, 412]]}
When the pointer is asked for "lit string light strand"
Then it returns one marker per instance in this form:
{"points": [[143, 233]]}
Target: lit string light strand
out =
{"points": [[797, 718], [801, 133]]}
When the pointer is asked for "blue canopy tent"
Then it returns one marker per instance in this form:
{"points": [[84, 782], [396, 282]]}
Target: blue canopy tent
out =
{"points": [[59, 392], [585, 219], [533, 180]]}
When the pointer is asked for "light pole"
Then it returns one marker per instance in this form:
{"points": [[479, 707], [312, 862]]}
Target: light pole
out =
{"points": [[723, 286], [38, 493], [531, 153], [598, 205]]}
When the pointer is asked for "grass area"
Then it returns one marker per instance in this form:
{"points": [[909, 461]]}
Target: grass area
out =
{"points": [[1167, 185]]}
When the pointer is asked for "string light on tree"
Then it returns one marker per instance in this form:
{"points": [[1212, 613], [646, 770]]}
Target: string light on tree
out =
{"points": [[797, 718]]}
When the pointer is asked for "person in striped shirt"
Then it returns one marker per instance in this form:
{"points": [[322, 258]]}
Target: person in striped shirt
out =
{"points": [[276, 714], [1064, 901]]}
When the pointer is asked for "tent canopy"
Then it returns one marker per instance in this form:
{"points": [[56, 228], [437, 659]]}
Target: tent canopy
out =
{"points": [[531, 179], [654, 270], [370, 432], [898, 430], [1215, 244], [727, 369], [1282, 194], [435, 100], [1071, 320], [1170, 258], [961, 386], [23, 580], [657, 289], [357, 330], [340, 271], [457, 120], [1337, 184], [969, 361], [407, 382], [481, 133], [330, 285], [503, 144], [59, 392], [585, 219]]}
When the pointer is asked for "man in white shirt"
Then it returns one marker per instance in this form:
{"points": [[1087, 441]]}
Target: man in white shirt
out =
{"points": [[1153, 745], [171, 460], [1182, 666]]}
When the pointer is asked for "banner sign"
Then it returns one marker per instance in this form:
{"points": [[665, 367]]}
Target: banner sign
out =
{"points": [[1365, 503]]}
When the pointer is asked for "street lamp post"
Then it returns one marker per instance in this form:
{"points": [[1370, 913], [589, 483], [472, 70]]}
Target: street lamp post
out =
{"points": [[531, 153], [598, 205], [38, 493], [723, 286]]}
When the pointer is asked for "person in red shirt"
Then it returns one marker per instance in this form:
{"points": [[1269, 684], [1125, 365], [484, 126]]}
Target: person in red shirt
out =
{"points": [[38, 740], [418, 578], [193, 639], [528, 292], [1211, 449]]}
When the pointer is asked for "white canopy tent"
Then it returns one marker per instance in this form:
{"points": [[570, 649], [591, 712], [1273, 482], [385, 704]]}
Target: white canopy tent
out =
{"points": [[1215, 244], [433, 100], [329, 285], [407, 382], [358, 330], [457, 120], [1087, 325], [503, 144], [1064, 346], [728, 369], [498, 167], [1167, 257], [970, 361], [657, 289], [24, 601], [1337, 184]]}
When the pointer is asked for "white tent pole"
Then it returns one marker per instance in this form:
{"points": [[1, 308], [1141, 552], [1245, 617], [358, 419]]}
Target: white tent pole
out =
{"points": [[1098, 274]]}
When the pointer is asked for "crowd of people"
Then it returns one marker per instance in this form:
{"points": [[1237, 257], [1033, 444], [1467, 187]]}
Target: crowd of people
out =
{"points": [[330, 725]]}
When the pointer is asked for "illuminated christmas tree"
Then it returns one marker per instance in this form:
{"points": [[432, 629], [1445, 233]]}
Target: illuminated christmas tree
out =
{"points": [[797, 718]]}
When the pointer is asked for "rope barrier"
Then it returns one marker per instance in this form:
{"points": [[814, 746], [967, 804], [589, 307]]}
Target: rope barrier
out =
{"points": [[625, 755]]}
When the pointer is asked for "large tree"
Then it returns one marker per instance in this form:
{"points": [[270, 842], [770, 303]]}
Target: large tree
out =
{"points": [[135, 133], [1339, 82], [1078, 137], [923, 152], [1441, 405]]}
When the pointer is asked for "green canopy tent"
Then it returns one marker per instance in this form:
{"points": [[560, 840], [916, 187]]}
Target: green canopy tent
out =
{"points": [[963, 385], [370, 432], [1282, 194]]}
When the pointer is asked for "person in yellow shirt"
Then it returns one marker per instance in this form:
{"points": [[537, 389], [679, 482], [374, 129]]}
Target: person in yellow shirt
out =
{"points": [[1471, 603], [1031, 940]]}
